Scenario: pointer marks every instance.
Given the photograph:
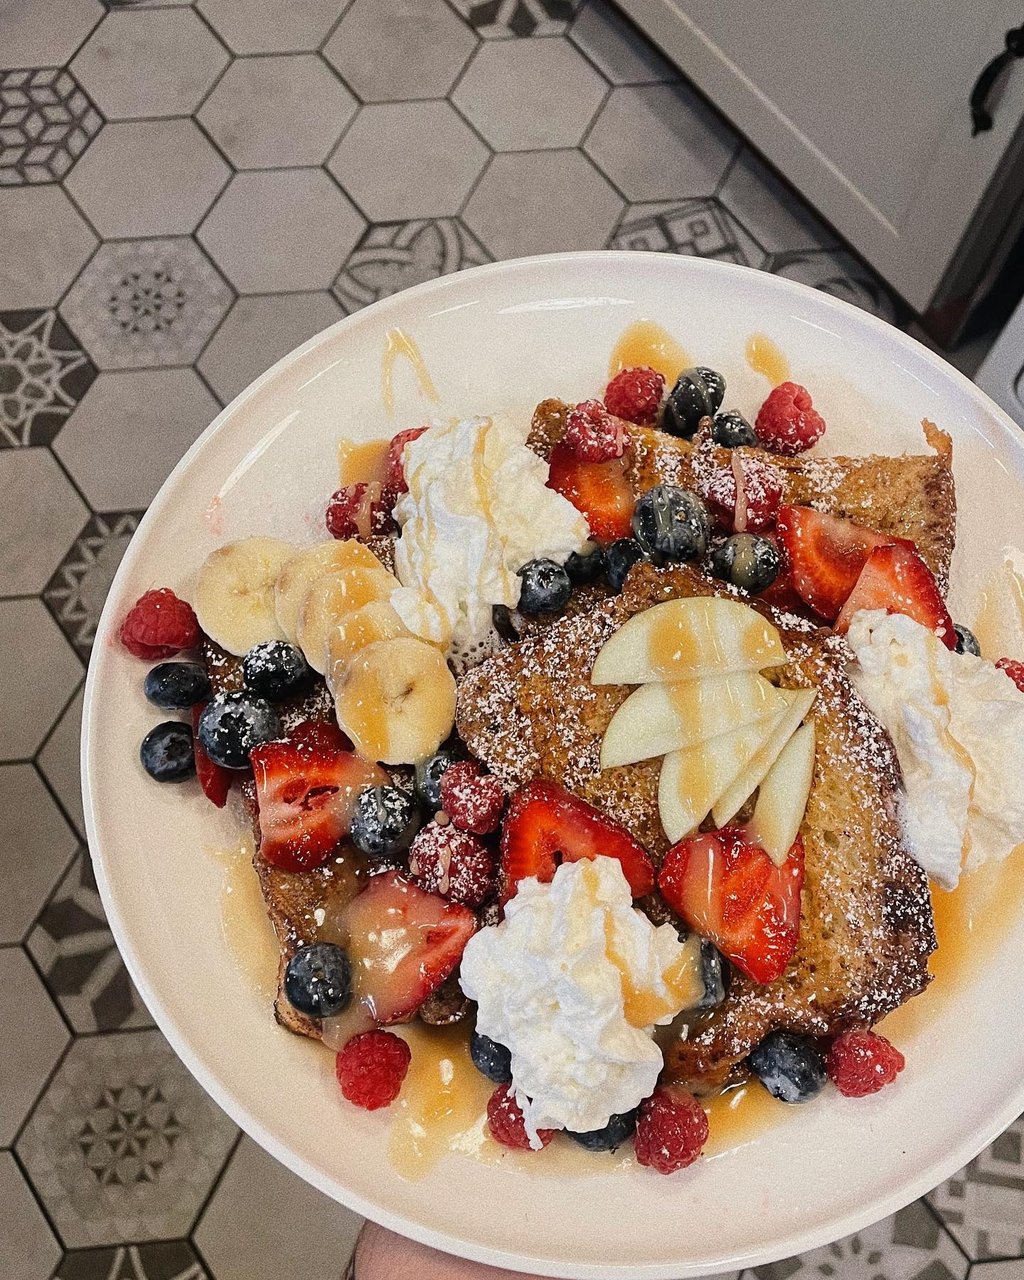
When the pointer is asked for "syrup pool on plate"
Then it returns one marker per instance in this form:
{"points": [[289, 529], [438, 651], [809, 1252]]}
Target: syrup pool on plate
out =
{"points": [[246, 929], [765, 357], [648, 344], [399, 344]]}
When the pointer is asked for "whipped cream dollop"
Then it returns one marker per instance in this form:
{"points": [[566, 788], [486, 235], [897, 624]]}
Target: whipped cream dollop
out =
{"points": [[957, 723], [572, 982], [477, 510]]}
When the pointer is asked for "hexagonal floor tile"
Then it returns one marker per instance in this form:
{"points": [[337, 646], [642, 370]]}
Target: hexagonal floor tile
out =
{"points": [[38, 845], [617, 48], [542, 202], [290, 229], [841, 274], [433, 159], [37, 33], [686, 145], [525, 94], [162, 1260], [130, 430], [257, 332], [30, 1250], [172, 171], [43, 375], [141, 303], [124, 1144], [78, 588], [396, 255], [267, 26], [41, 512], [59, 760], [83, 970], [37, 677], [425, 49], [158, 62], [1011, 1269], [700, 228], [503, 19], [981, 1205], [46, 244], [273, 112], [34, 1038], [48, 121], [770, 209]]}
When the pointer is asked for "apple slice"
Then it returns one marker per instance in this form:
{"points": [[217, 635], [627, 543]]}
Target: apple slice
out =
{"points": [[732, 800], [658, 718], [684, 639], [782, 800]]}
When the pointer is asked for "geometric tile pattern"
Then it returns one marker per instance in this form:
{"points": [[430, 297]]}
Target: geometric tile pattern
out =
{"points": [[983, 1204], [504, 19], [43, 375], [164, 1260], [79, 586], [46, 122]]}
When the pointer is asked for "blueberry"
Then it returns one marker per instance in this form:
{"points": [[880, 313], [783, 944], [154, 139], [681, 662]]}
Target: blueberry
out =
{"points": [[697, 394], [428, 776], [966, 641], [671, 524], [318, 980], [176, 686], [618, 1129], [275, 670], [622, 555], [586, 568], [490, 1058], [166, 752], [232, 724], [747, 561], [384, 821], [732, 429], [546, 587], [714, 970], [791, 1067]]}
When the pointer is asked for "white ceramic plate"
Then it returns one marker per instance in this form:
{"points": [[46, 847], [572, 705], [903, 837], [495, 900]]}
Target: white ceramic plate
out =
{"points": [[498, 337]]}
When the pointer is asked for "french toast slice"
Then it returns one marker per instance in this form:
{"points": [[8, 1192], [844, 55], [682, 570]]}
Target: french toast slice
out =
{"points": [[866, 919]]}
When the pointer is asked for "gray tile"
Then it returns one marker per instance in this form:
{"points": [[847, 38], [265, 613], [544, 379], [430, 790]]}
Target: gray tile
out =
{"points": [[39, 33], [290, 229], [255, 1188], [60, 761], [76, 594], [616, 47], [48, 121], [46, 244], [257, 332], [43, 375], [38, 675], [156, 62], [840, 274], [37, 846], [660, 142], [267, 26], [408, 160], [30, 1250], [506, 19], [124, 1144], [541, 203], [701, 228], [771, 210], [425, 48], [34, 1038], [1013, 1269], [161, 1260], [981, 1205], [277, 111], [525, 94], [42, 513], [168, 166], [125, 437]]}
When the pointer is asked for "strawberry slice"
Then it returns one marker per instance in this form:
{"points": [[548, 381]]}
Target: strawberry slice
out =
{"points": [[826, 555], [214, 780], [897, 580], [730, 891], [407, 942], [546, 825], [600, 490], [395, 479], [306, 787]]}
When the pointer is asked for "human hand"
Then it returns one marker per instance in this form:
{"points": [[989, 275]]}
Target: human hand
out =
{"points": [[382, 1255]]}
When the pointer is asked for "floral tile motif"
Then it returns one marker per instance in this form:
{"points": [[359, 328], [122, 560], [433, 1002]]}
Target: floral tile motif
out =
{"points": [[502, 19], [76, 592], [46, 122], [43, 375], [983, 1204], [840, 274], [164, 1260], [395, 255], [701, 228], [81, 966], [141, 303], [124, 1144]]}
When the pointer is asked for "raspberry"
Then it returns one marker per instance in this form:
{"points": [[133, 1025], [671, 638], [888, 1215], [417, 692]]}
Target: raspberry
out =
{"points": [[506, 1123], [1014, 669], [473, 800], [452, 863], [671, 1130], [371, 1068], [396, 474], [592, 434], [744, 496], [359, 510], [635, 394], [786, 422], [159, 625], [861, 1062]]}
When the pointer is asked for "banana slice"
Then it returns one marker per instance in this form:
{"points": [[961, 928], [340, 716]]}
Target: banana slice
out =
{"points": [[234, 599], [374, 621], [332, 598], [300, 572], [396, 700]]}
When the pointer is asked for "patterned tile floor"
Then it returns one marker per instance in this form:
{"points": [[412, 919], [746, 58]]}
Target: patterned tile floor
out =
{"points": [[188, 190]]}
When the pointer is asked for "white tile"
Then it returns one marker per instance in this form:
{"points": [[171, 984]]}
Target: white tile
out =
{"points": [[291, 1214], [616, 47], [60, 761], [38, 675], [37, 846], [30, 1250], [770, 210], [268, 26], [42, 515], [1012, 1269], [129, 431], [39, 33], [524, 94], [147, 178], [277, 111], [542, 203], [408, 160], [156, 62], [33, 1039], [46, 244]]}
